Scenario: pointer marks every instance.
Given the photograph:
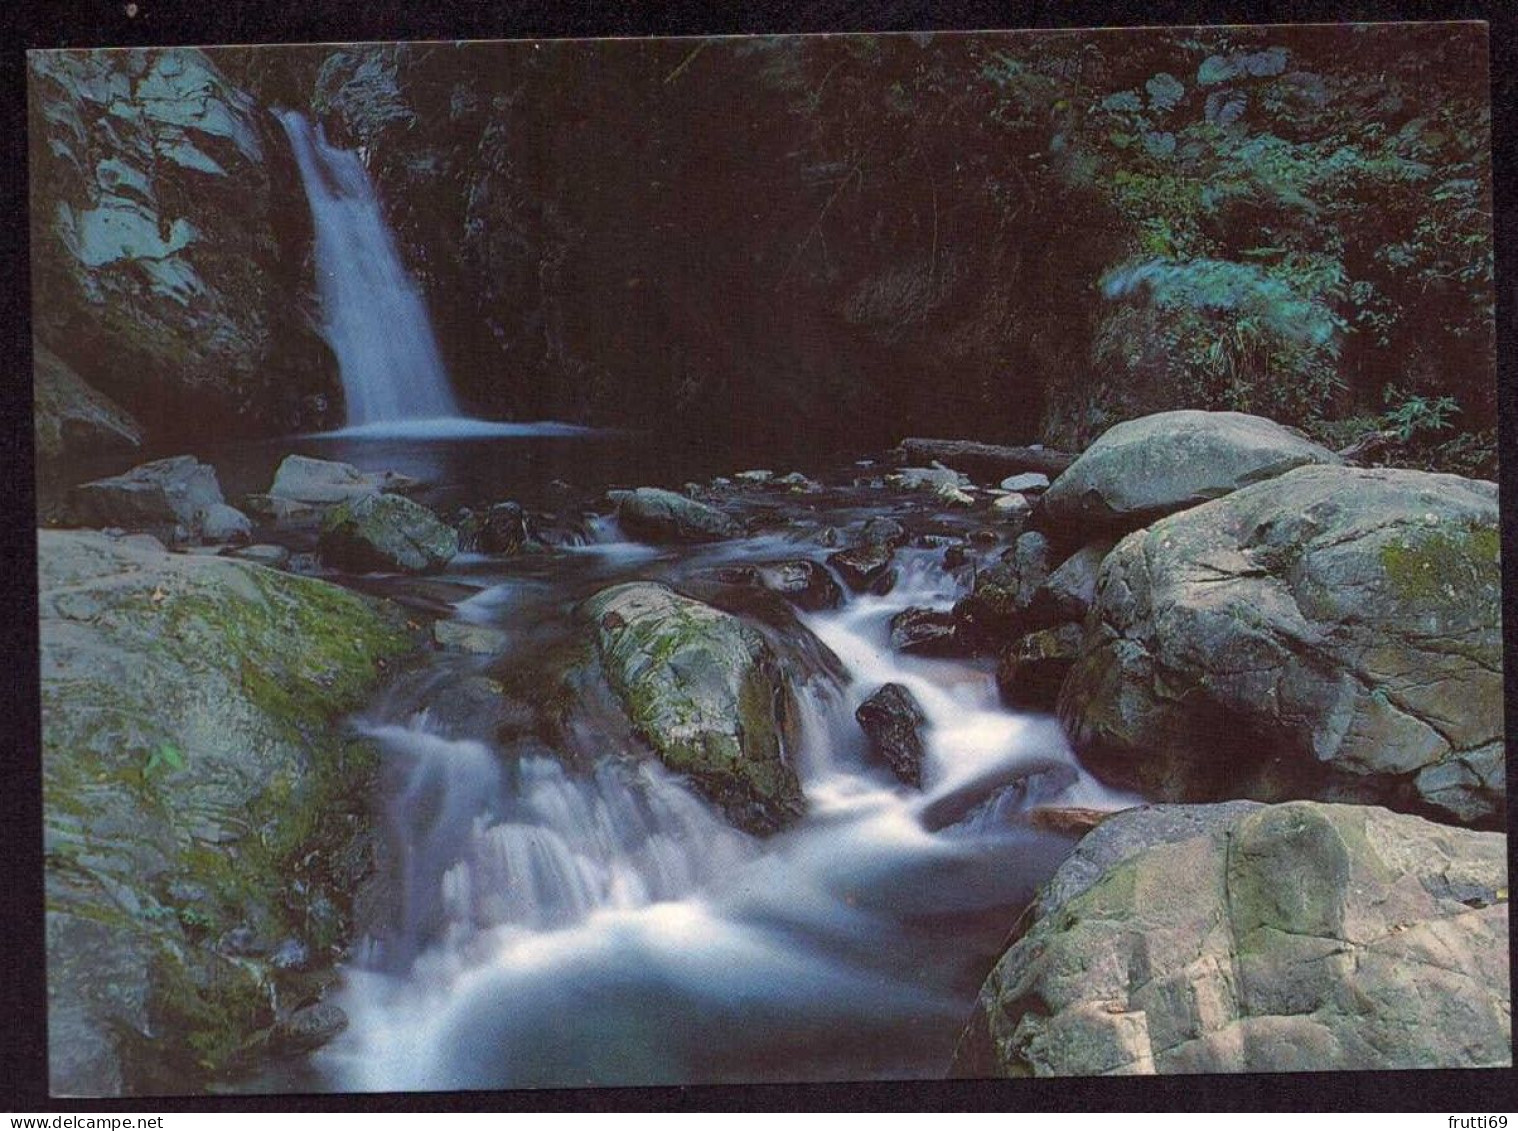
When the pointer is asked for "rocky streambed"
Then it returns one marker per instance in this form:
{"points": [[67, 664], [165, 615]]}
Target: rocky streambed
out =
{"points": [[390, 777]]}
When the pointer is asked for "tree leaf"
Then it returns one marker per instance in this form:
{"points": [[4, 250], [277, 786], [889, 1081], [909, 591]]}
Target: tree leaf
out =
{"points": [[1225, 107], [1214, 69], [1123, 100], [1165, 90]]}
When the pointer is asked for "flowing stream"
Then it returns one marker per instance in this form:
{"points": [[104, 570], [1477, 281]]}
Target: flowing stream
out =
{"points": [[577, 915], [603, 925]]}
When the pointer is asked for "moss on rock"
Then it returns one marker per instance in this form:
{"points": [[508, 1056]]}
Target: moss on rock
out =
{"points": [[199, 796], [706, 693]]}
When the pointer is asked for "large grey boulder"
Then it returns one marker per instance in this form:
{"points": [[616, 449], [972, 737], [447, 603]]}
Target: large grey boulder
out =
{"points": [[1242, 938], [657, 515], [322, 482], [155, 497], [385, 533], [1141, 470], [197, 786], [707, 694], [1331, 633]]}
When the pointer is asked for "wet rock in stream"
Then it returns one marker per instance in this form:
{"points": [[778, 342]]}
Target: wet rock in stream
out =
{"points": [[892, 720], [707, 694]]}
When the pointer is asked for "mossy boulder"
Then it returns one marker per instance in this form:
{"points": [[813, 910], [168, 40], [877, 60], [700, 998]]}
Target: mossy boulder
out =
{"points": [[202, 807], [1333, 633], [1143, 469], [707, 694], [657, 515], [1248, 938], [386, 533]]}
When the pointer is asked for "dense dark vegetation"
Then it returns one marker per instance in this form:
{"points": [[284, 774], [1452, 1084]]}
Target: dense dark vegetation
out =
{"points": [[1007, 237]]}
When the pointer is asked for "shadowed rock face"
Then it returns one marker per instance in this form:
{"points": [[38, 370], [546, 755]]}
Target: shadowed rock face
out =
{"points": [[706, 692], [167, 268], [1332, 633], [69, 416], [191, 773], [1245, 938], [1143, 469]]}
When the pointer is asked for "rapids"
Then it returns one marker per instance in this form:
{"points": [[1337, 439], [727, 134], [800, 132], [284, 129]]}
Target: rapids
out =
{"points": [[603, 925]]}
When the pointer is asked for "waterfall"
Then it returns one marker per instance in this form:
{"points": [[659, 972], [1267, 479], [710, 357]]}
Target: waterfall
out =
{"points": [[373, 314]]}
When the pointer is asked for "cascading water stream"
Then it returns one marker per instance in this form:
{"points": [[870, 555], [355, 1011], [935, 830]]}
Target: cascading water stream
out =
{"points": [[373, 314], [609, 927]]}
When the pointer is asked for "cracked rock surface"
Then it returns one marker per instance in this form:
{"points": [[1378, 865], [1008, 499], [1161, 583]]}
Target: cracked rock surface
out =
{"points": [[1248, 938], [1334, 633]]}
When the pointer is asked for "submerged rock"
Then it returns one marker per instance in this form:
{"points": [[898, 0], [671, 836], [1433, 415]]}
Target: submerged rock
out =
{"points": [[386, 533], [191, 767], [476, 639], [706, 692], [1242, 938], [657, 515], [1141, 470], [1332, 633], [892, 721]]}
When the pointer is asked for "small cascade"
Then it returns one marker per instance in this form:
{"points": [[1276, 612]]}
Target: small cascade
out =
{"points": [[373, 314], [586, 917], [480, 844]]}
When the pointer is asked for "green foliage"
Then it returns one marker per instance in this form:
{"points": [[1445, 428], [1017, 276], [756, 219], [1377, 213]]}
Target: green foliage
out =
{"points": [[1308, 218], [1280, 219], [1409, 415], [162, 759]]}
